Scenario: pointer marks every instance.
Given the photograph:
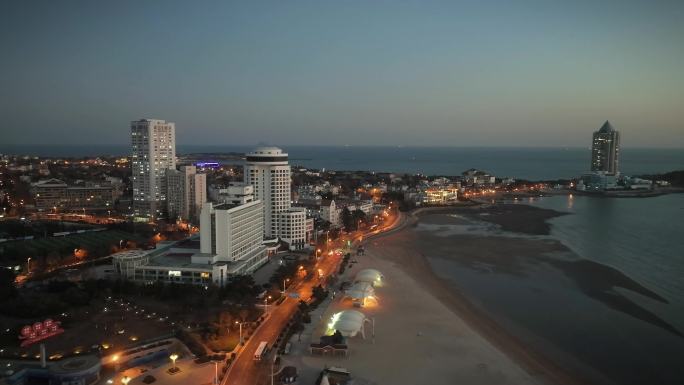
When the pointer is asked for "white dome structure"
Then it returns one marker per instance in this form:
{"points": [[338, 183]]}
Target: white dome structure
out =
{"points": [[359, 292], [348, 322], [372, 276]]}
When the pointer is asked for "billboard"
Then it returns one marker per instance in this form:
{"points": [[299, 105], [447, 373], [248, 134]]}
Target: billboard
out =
{"points": [[39, 331]]}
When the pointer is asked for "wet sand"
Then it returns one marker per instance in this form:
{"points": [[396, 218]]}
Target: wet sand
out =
{"points": [[404, 250], [419, 338], [512, 241]]}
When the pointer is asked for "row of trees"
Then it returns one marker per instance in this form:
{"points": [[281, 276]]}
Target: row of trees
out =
{"points": [[58, 296], [352, 219]]}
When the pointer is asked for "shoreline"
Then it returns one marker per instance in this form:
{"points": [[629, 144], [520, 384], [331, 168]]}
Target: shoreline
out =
{"points": [[416, 265]]}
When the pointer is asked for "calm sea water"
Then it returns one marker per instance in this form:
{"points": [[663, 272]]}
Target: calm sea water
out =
{"points": [[591, 319], [527, 163]]}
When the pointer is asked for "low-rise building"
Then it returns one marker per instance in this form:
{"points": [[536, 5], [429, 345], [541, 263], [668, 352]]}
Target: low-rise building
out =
{"points": [[331, 213], [54, 194], [292, 227]]}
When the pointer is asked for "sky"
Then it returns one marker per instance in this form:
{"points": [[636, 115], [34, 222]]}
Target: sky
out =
{"points": [[343, 72]]}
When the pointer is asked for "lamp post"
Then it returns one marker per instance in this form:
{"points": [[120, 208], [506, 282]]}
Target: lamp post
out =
{"points": [[173, 358], [216, 380], [28, 265], [273, 368], [240, 323], [266, 304], [284, 282]]}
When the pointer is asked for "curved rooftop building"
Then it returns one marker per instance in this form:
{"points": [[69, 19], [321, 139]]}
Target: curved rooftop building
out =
{"points": [[348, 322], [267, 170], [371, 276]]}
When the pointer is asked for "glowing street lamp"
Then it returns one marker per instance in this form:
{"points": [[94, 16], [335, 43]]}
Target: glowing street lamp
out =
{"points": [[173, 358], [318, 252], [240, 323], [266, 304], [125, 380], [28, 265]]}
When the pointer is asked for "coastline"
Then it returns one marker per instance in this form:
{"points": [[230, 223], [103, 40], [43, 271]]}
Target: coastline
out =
{"points": [[415, 264], [417, 337]]}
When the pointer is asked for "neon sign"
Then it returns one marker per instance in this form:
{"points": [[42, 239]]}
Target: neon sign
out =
{"points": [[39, 331]]}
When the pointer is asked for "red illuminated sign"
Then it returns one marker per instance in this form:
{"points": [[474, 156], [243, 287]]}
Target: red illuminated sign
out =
{"points": [[39, 331]]}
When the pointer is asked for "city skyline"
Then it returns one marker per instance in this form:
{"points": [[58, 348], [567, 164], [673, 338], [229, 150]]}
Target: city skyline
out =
{"points": [[454, 74]]}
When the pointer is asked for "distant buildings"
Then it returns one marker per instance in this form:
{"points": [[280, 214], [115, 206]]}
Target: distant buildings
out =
{"points": [[440, 195], [186, 192], [153, 145], [605, 150], [54, 194], [331, 213]]}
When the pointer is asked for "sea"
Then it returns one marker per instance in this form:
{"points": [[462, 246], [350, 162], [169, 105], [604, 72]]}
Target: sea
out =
{"points": [[612, 310], [529, 163]]}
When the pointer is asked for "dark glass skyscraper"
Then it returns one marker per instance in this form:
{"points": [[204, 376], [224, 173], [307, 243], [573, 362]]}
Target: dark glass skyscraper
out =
{"points": [[605, 149]]}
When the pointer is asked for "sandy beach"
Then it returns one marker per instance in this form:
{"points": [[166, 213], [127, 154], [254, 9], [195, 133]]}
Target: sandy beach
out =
{"points": [[425, 333]]}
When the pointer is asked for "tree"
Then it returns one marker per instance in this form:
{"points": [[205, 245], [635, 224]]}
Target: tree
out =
{"points": [[7, 288], [358, 216], [347, 219], [319, 293]]}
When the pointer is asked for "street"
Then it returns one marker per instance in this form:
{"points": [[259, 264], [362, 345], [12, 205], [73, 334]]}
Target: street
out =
{"points": [[245, 371]]}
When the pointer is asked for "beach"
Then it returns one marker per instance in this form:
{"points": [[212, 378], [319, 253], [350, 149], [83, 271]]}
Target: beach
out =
{"points": [[424, 331], [485, 295]]}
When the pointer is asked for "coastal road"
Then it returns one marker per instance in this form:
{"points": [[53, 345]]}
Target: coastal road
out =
{"points": [[246, 371]]}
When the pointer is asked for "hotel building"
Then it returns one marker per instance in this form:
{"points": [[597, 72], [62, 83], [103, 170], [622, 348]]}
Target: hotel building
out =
{"points": [[268, 171], [153, 145], [230, 244], [234, 234], [605, 149]]}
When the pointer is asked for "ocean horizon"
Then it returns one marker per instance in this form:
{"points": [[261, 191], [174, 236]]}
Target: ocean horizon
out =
{"points": [[534, 163]]}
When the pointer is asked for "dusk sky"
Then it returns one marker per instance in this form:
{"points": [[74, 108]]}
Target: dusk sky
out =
{"points": [[451, 73]]}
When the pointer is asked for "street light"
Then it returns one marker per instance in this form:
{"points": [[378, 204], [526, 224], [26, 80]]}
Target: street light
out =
{"points": [[28, 265], [125, 380], [285, 281], [173, 358], [266, 304], [273, 368], [318, 251], [216, 380], [240, 323]]}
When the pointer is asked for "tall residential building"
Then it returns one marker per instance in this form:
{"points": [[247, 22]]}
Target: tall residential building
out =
{"points": [[153, 152], [605, 150], [186, 192], [233, 234], [268, 171]]}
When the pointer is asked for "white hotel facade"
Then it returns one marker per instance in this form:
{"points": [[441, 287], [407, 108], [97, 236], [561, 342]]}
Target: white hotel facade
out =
{"points": [[234, 234]]}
